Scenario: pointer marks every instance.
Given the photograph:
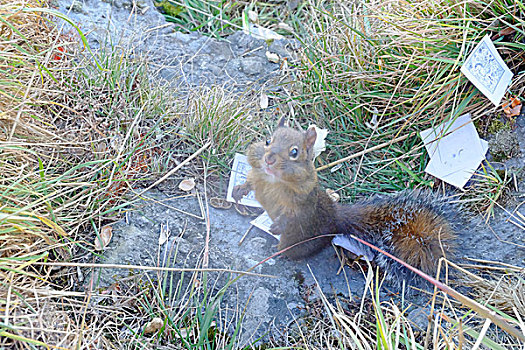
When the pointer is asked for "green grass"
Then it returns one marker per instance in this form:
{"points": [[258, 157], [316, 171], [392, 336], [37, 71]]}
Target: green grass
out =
{"points": [[221, 18], [188, 308], [397, 64]]}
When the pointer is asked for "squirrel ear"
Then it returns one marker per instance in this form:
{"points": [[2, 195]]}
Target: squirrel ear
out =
{"points": [[311, 136], [282, 122]]}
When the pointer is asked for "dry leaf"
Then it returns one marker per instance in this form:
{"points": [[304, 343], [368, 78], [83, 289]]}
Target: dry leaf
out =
{"points": [[514, 109], [503, 32], [292, 4], [272, 57], [336, 167], [285, 26], [187, 185], [154, 325], [253, 16], [512, 112], [263, 101], [104, 238], [262, 33], [164, 233], [220, 203], [507, 31], [284, 64], [183, 333], [374, 123]]}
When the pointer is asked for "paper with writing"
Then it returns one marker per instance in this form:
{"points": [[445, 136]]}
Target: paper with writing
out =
{"points": [[485, 68], [238, 175]]}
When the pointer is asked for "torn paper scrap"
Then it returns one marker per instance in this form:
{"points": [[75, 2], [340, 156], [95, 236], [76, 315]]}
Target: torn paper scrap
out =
{"points": [[353, 246], [455, 150], [240, 170], [320, 140], [260, 32], [264, 223], [487, 71]]}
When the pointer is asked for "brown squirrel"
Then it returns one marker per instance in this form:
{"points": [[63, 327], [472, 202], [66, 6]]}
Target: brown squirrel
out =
{"points": [[413, 225]]}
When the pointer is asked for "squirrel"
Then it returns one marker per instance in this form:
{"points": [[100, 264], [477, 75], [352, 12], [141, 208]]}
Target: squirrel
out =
{"points": [[414, 226]]}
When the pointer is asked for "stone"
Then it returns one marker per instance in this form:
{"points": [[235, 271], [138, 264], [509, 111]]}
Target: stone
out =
{"points": [[252, 65], [504, 145], [77, 6]]}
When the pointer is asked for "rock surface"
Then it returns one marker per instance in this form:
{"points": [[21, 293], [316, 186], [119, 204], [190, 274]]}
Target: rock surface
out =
{"points": [[188, 59], [272, 302]]}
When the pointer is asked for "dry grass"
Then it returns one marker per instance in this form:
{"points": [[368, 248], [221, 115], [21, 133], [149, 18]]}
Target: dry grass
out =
{"points": [[375, 70], [503, 285], [62, 169], [370, 321]]}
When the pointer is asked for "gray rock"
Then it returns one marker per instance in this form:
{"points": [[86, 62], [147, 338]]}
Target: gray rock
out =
{"points": [[419, 317], [77, 6], [252, 65], [272, 301], [237, 62]]}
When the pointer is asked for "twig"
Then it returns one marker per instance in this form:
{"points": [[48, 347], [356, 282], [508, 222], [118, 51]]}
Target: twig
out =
{"points": [[149, 268], [245, 234], [483, 261], [207, 220], [161, 202], [174, 170], [359, 154]]}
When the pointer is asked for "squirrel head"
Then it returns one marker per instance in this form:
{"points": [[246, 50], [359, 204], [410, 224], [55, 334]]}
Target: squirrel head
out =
{"points": [[288, 156]]}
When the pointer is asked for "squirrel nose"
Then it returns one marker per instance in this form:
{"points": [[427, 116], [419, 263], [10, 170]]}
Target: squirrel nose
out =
{"points": [[269, 159]]}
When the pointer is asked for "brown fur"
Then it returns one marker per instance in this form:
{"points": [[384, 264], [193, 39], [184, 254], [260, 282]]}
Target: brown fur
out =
{"points": [[299, 209], [418, 235], [408, 226]]}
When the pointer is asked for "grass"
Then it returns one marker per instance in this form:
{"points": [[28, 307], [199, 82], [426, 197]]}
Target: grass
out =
{"points": [[222, 18], [80, 130], [77, 133], [375, 71]]}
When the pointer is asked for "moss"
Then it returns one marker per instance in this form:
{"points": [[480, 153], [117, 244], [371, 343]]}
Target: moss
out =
{"points": [[167, 8], [504, 145], [497, 125]]}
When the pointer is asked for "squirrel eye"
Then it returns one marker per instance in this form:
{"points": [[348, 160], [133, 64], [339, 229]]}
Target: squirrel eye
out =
{"points": [[268, 141], [294, 152]]}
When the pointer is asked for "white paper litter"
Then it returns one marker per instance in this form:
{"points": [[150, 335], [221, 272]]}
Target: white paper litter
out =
{"points": [[264, 223], [485, 68], [455, 150], [353, 246], [259, 32], [240, 170], [320, 141]]}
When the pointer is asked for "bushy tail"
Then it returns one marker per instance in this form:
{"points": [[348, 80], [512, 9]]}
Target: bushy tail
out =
{"points": [[415, 226]]}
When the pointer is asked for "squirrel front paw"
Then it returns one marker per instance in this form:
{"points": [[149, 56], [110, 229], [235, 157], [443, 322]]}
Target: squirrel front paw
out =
{"points": [[279, 225], [240, 191]]}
